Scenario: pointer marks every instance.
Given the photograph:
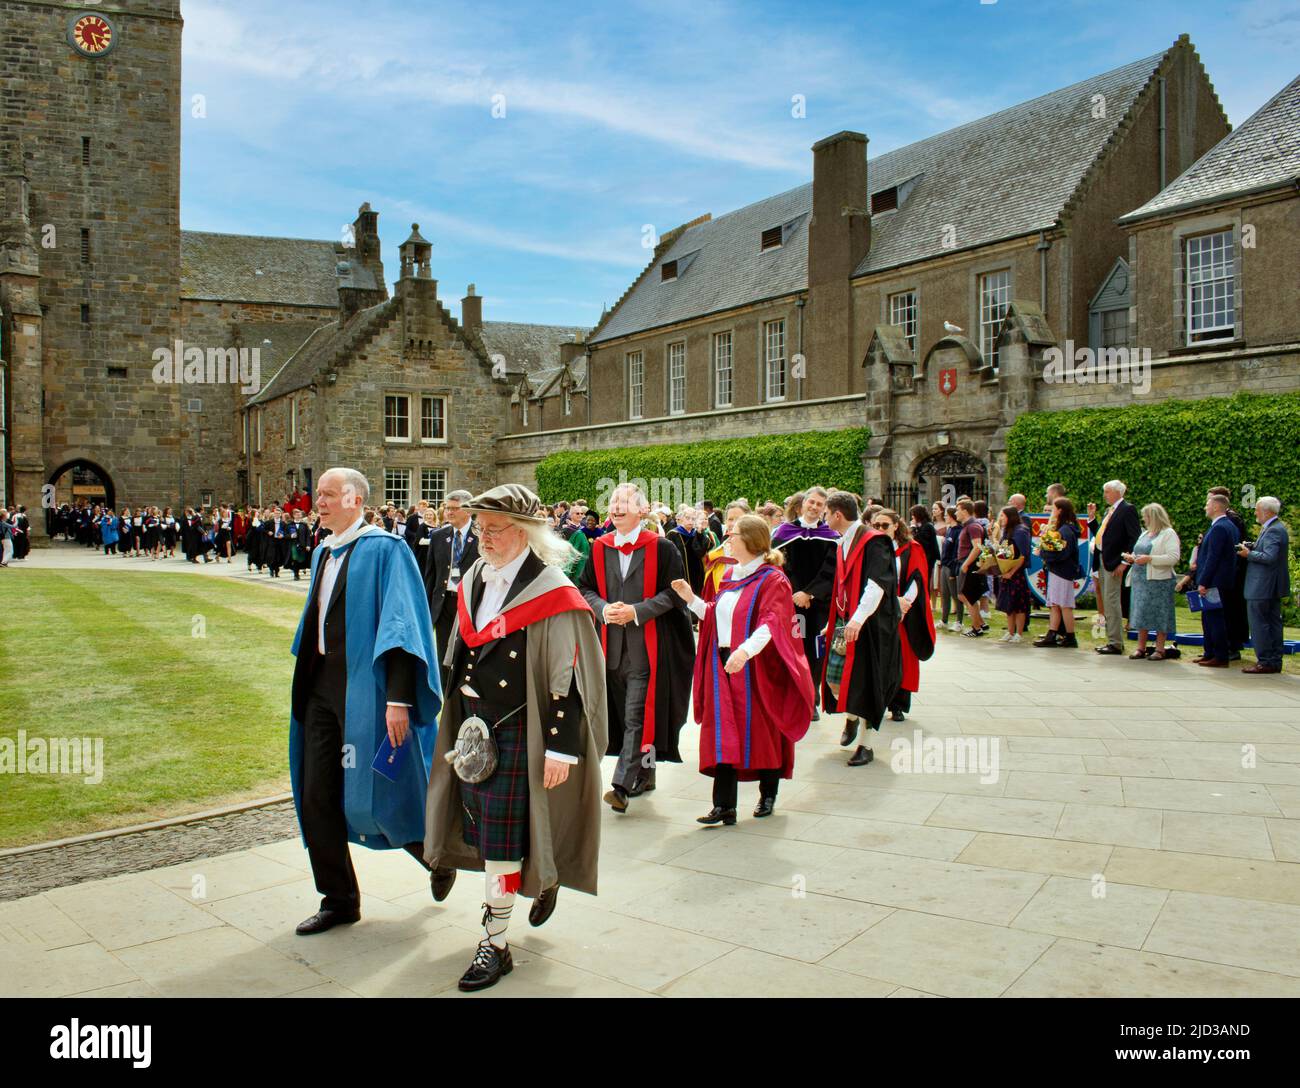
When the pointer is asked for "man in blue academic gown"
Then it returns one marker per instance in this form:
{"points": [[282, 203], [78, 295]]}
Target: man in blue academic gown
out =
{"points": [[366, 672]]}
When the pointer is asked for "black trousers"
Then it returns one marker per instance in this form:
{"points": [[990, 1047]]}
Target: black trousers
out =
{"points": [[902, 700], [324, 825], [724, 784]]}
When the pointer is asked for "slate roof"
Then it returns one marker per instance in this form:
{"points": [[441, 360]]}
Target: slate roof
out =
{"points": [[1263, 152], [329, 345], [1006, 175], [286, 338], [527, 348], [293, 271], [727, 268]]}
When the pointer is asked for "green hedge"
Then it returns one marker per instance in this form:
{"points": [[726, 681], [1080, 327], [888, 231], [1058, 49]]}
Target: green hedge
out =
{"points": [[759, 468], [1170, 453]]}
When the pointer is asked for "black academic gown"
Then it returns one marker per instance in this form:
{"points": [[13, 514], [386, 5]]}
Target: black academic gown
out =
{"points": [[875, 670]]}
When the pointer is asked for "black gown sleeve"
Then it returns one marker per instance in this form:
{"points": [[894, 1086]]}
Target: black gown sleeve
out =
{"points": [[401, 676]]}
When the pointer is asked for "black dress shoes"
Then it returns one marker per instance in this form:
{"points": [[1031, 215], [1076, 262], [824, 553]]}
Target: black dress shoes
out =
{"points": [[325, 919], [487, 967], [850, 732], [440, 881], [764, 807], [861, 756], [640, 786], [1109, 648], [717, 815], [896, 716], [543, 906]]}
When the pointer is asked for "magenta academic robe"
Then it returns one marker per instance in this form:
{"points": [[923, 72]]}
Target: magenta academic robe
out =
{"points": [[751, 719]]}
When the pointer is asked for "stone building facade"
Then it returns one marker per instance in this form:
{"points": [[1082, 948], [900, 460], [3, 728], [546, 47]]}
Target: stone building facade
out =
{"points": [[919, 292], [89, 257]]}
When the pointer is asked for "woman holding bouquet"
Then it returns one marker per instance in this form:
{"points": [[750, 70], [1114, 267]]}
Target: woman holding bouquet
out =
{"points": [[916, 630], [1013, 586], [1059, 547]]}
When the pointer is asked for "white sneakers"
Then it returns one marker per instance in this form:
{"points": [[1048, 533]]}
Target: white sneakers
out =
{"points": [[953, 625], [1006, 636]]}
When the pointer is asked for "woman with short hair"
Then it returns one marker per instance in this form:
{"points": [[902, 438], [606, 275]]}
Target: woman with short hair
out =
{"points": [[1151, 582]]}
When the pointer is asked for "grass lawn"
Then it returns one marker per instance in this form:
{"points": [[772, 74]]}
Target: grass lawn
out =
{"points": [[188, 723], [1185, 620]]}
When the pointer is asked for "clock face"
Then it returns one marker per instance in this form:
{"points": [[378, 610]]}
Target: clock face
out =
{"points": [[92, 35]]}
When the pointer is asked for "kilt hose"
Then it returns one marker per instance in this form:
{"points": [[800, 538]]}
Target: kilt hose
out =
{"points": [[496, 809]]}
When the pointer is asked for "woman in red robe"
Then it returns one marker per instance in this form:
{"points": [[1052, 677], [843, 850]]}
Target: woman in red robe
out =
{"points": [[753, 692], [916, 630]]}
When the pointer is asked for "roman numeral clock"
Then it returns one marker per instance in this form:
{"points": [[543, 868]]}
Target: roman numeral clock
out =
{"points": [[92, 34]]}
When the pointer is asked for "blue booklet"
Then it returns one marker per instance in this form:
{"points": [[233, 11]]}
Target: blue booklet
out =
{"points": [[389, 760], [1207, 603]]}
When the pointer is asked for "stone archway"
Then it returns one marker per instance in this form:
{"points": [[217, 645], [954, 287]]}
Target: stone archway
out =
{"points": [[945, 474], [88, 481]]}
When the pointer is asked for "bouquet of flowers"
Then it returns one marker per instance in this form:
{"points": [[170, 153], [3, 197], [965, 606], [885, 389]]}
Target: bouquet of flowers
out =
{"points": [[987, 563], [1051, 541], [1005, 555]]}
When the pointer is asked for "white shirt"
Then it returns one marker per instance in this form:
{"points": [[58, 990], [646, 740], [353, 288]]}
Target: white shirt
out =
{"points": [[872, 593], [496, 589], [329, 573], [724, 611]]}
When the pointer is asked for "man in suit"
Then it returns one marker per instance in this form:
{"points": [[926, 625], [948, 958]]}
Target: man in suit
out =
{"points": [[338, 796], [1114, 535], [451, 551], [1216, 570], [1267, 581], [628, 584]]}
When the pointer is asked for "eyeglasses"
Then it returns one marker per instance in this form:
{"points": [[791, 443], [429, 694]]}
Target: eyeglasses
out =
{"points": [[883, 526], [492, 534]]}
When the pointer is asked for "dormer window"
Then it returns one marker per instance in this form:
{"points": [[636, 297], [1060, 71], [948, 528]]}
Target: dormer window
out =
{"points": [[771, 239], [667, 271], [884, 201]]}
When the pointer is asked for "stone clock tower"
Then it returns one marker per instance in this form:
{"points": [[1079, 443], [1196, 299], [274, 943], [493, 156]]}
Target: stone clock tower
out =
{"points": [[90, 123]]}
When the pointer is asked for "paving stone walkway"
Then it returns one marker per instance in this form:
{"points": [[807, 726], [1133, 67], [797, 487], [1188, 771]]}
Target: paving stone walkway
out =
{"points": [[1140, 837]]}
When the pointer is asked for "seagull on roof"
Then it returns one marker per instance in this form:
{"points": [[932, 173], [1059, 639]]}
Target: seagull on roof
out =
{"points": [[948, 326]]}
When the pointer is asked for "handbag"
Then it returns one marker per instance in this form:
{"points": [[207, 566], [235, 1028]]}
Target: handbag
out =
{"points": [[1207, 602]]}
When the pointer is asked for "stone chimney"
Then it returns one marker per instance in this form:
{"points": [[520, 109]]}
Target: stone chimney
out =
{"points": [[365, 231], [471, 310], [839, 236], [571, 350]]}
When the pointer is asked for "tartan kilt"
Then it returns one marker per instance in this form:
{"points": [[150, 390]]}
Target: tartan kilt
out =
{"points": [[496, 809], [834, 661]]}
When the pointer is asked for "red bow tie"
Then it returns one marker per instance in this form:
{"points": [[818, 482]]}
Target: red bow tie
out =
{"points": [[627, 548]]}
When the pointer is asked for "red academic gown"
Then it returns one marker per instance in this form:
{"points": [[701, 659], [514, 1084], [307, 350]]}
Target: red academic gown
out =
{"points": [[751, 719], [917, 628]]}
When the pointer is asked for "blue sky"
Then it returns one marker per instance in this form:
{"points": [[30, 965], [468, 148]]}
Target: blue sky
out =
{"points": [[619, 116]]}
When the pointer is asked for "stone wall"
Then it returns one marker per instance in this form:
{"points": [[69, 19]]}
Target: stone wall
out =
{"points": [[127, 103], [212, 440], [342, 423]]}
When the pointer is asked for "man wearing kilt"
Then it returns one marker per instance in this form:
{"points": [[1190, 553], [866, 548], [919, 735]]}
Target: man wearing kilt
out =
{"points": [[523, 665]]}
